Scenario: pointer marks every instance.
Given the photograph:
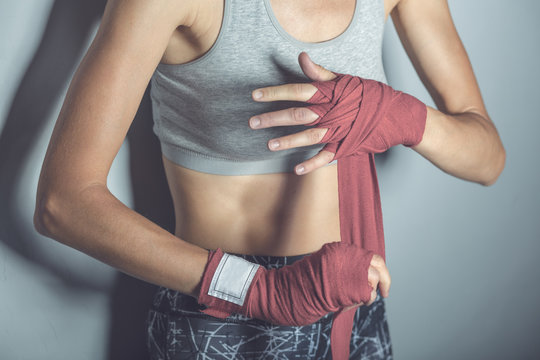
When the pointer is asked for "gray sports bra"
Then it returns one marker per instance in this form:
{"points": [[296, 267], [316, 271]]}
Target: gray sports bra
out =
{"points": [[201, 108]]}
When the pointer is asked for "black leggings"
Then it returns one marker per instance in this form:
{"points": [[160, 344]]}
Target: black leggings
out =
{"points": [[178, 330]]}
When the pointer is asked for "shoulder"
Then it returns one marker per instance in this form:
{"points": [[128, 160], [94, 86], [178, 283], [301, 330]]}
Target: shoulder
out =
{"points": [[389, 5], [177, 12], [418, 7]]}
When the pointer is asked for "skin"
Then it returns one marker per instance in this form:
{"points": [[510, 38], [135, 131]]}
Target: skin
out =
{"points": [[294, 214]]}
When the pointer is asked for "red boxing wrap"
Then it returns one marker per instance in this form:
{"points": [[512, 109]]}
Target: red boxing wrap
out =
{"points": [[365, 116], [362, 117], [297, 294]]}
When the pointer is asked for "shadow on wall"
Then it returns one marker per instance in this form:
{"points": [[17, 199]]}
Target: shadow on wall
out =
{"points": [[68, 27]]}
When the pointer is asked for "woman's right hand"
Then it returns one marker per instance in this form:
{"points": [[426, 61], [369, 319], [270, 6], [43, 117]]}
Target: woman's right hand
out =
{"points": [[337, 276], [378, 277]]}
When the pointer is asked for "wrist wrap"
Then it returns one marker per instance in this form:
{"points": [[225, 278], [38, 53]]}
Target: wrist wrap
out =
{"points": [[297, 294], [365, 116], [227, 283]]}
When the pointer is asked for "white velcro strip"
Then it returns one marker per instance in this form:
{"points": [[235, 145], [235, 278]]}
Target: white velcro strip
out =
{"points": [[232, 279]]}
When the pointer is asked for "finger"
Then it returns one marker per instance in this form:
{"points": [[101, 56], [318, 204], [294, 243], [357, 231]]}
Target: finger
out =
{"points": [[303, 138], [323, 158], [373, 276], [291, 92], [347, 308], [291, 116], [384, 275], [373, 297], [314, 71], [385, 282]]}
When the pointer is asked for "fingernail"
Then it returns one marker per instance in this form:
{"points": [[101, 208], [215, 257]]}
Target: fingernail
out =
{"points": [[300, 169], [274, 144], [255, 122], [257, 94]]}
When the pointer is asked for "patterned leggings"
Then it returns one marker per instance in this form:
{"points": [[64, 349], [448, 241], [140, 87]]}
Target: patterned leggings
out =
{"points": [[178, 330]]}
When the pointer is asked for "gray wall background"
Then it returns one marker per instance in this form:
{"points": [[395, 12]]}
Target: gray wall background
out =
{"points": [[463, 257]]}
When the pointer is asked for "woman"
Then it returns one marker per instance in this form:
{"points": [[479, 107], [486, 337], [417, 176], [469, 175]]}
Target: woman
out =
{"points": [[232, 188]]}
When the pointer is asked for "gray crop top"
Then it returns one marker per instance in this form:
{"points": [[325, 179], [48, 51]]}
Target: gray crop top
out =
{"points": [[201, 109]]}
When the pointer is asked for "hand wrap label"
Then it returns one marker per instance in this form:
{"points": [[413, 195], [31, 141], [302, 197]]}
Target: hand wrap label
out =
{"points": [[219, 292], [232, 279]]}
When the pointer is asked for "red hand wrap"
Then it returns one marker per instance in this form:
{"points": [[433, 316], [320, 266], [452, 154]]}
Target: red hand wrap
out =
{"points": [[322, 282], [301, 293], [363, 117]]}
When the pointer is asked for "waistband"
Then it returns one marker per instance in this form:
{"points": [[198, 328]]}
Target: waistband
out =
{"points": [[271, 262]]}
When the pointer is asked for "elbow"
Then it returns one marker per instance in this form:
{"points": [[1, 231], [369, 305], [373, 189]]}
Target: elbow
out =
{"points": [[46, 215], [495, 169]]}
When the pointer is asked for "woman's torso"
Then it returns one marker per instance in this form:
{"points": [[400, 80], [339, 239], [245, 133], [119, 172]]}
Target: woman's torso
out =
{"points": [[277, 214]]}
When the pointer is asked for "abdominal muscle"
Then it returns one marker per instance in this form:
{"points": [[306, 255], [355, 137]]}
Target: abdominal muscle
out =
{"points": [[281, 214]]}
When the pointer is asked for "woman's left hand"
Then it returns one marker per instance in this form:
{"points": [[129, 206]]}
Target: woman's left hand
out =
{"points": [[296, 115]]}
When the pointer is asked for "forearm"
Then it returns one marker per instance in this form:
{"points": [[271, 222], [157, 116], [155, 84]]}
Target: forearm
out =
{"points": [[465, 145], [98, 224]]}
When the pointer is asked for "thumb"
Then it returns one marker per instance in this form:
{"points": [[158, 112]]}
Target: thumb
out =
{"points": [[314, 71]]}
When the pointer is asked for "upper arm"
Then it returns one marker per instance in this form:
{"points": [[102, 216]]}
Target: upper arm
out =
{"points": [[429, 37], [106, 90]]}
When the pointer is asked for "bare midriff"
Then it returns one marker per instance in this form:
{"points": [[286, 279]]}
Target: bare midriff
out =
{"points": [[280, 214]]}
